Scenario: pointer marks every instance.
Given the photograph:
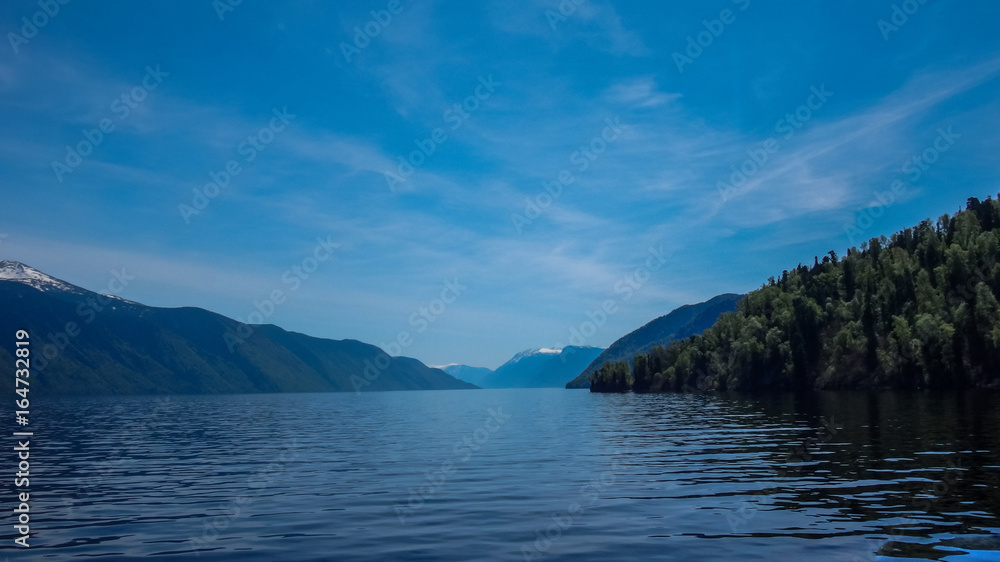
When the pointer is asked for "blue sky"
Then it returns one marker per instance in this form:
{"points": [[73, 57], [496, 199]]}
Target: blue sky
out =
{"points": [[536, 93]]}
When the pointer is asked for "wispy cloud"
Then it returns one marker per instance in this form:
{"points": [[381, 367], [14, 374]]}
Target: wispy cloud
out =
{"points": [[638, 92], [829, 166], [595, 24], [561, 81]]}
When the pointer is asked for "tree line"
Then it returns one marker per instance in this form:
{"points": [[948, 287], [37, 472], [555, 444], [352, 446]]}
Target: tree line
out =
{"points": [[917, 310]]}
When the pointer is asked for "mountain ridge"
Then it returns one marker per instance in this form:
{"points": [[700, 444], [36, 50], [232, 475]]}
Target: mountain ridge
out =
{"points": [[472, 375], [85, 343], [682, 322], [542, 367]]}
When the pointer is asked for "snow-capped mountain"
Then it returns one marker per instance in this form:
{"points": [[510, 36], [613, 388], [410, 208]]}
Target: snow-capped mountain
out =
{"points": [[17, 271], [533, 352], [542, 368]]}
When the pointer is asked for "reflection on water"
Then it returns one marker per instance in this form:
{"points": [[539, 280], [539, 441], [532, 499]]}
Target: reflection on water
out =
{"points": [[541, 474]]}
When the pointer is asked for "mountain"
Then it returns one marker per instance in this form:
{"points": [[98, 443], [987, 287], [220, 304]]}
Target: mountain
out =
{"points": [[473, 375], [17, 271], [85, 343], [683, 322], [918, 310], [542, 368]]}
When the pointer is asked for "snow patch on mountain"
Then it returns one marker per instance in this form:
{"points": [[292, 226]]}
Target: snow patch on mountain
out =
{"points": [[17, 271]]}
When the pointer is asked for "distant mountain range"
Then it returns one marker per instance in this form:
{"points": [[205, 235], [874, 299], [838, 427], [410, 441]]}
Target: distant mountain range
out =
{"points": [[85, 343], [473, 375], [532, 368], [683, 322]]}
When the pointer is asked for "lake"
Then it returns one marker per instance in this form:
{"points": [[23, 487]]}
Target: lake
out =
{"points": [[515, 475]]}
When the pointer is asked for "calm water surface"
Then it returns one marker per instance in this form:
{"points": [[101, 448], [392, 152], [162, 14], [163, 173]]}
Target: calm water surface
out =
{"points": [[515, 475]]}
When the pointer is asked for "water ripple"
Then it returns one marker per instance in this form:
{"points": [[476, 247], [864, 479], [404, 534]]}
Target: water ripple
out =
{"points": [[567, 475]]}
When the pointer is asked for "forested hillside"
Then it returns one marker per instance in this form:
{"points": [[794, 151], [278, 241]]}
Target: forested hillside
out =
{"points": [[85, 343], [681, 323], [916, 310]]}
